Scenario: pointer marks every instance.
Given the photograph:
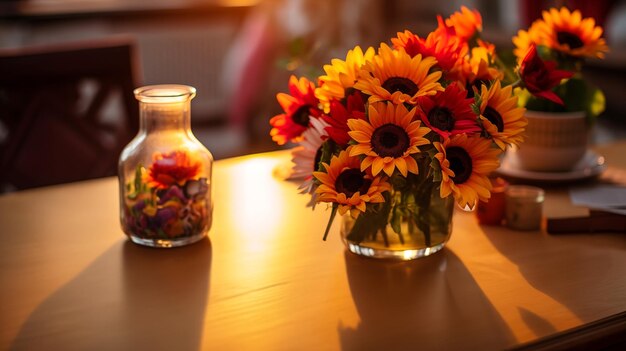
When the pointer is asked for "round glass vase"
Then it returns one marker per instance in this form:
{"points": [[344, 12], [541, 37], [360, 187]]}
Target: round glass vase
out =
{"points": [[418, 225], [165, 172]]}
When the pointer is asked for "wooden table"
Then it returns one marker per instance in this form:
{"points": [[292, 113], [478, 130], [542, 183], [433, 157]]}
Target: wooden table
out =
{"points": [[70, 280]]}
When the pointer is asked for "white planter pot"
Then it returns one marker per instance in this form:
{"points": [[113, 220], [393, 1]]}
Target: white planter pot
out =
{"points": [[554, 142]]}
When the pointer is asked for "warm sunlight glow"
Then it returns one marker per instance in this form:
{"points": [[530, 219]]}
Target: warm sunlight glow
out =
{"points": [[256, 210], [524, 296]]}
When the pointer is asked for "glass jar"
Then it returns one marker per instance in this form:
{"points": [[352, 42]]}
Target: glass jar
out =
{"points": [[165, 172], [418, 225]]}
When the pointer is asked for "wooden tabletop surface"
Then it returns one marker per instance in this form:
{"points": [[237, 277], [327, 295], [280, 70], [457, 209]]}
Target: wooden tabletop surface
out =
{"points": [[70, 280]]}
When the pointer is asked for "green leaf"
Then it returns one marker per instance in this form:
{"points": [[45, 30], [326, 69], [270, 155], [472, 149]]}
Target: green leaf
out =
{"points": [[580, 95], [574, 94], [476, 105], [138, 177], [437, 177], [597, 103], [328, 150], [396, 220], [366, 225]]}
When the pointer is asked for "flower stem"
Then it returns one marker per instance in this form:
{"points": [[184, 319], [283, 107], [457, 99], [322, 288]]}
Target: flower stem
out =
{"points": [[423, 215], [401, 237], [333, 213], [508, 73], [384, 233], [517, 83]]}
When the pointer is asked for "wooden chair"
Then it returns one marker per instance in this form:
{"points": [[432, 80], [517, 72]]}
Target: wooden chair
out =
{"points": [[66, 112]]}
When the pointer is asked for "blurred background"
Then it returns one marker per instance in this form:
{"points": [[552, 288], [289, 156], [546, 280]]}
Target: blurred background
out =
{"points": [[237, 53]]}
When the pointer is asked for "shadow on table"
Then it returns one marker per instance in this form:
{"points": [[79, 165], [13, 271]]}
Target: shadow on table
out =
{"points": [[129, 298], [555, 264], [429, 303]]}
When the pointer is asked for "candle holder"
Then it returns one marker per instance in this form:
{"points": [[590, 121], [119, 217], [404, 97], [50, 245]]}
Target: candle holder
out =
{"points": [[524, 207]]}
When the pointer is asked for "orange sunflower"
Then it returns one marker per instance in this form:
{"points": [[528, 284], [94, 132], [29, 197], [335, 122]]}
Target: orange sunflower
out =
{"points": [[345, 184], [502, 119], [298, 106], [465, 164], [172, 168], [393, 75], [341, 76], [466, 23], [479, 67], [570, 34], [388, 140]]}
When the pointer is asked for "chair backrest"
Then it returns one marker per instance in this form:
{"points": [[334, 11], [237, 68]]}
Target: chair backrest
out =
{"points": [[66, 112]]}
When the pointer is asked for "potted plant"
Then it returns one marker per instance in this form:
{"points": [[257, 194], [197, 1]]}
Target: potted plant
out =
{"points": [[560, 104]]}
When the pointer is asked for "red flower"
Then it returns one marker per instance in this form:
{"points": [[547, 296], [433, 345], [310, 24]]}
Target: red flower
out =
{"points": [[540, 76], [298, 106], [449, 112], [440, 44], [339, 116], [172, 168]]}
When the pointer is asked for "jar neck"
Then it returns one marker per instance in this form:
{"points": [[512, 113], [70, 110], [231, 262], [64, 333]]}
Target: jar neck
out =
{"points": [[164, 116], [164, 107]]}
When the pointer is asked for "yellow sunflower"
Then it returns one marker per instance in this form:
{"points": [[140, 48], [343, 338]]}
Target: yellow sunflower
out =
{"points": [[341, 76], [393, 75], [388, 140], [569, 33], [481, 67], [524, 40], [465, 164], [345, 184], [502, 119]]}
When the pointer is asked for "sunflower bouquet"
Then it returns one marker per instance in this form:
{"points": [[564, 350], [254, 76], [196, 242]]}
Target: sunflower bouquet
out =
{"points": [[551, 55], [392, 137]]}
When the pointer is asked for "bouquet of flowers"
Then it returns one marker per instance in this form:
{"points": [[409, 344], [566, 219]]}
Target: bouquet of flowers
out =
{"points": [[392, 137], [551, 54]]}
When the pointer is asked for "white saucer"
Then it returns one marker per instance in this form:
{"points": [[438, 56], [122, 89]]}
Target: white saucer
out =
{"points": [[589, 166]]}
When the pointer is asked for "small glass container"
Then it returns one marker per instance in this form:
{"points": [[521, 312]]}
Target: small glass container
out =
{"points": [[492, 211], [524, 207], [165, 172]]}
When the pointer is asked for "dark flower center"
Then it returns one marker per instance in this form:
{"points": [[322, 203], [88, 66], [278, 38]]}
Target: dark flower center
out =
{"points": [[301, 116], [460, 164], [494, 117], [390, 140], [441, 118], [404, 85], [352, 180], [572, 40]]}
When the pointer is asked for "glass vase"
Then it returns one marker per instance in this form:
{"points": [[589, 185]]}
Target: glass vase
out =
{"points": [[165, 172], [414, 223]]}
